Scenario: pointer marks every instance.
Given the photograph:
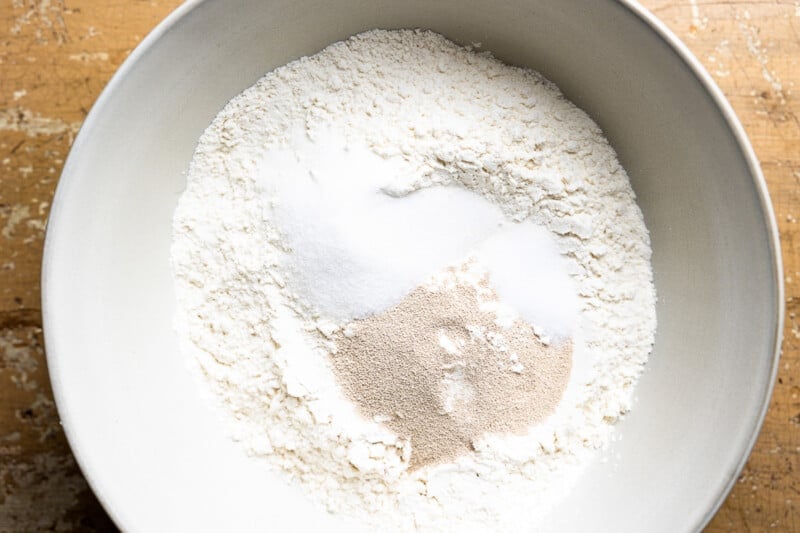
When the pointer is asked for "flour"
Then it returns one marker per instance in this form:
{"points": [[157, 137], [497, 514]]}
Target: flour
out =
{"points": [[442, 118]]}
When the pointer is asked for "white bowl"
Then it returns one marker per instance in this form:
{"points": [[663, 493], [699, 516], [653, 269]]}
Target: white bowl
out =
{"points": [[157, 457]]}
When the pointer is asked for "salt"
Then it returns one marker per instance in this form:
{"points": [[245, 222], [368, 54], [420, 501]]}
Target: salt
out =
{"points": [[359, 247], [528, 273]]}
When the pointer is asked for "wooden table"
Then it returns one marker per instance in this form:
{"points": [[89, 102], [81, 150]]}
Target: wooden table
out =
{"points": [[56, 56]]}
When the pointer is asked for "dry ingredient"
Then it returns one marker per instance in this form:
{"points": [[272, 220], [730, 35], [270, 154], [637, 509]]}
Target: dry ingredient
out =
{"points": [[399, 190], [440, 372]]}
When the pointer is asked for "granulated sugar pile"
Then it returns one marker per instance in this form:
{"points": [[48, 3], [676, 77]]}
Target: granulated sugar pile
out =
{"points": [[416, 280]]}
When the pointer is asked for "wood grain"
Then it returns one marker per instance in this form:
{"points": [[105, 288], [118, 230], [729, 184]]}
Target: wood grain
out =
{"points": [[55, 58]]}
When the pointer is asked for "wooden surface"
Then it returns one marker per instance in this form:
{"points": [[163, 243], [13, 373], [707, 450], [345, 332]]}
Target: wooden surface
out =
{"points": [[56, 56]]}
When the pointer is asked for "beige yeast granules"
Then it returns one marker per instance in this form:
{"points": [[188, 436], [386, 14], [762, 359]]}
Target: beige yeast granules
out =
{"points": [[438, 370]]}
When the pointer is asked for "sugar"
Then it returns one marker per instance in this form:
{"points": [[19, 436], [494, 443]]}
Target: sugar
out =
{"points": [[359, 247], [357, 250], [528, 273]]}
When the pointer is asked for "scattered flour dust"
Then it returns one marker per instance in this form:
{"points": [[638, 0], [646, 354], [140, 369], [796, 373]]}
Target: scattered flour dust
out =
{"points": [[278, 272]]}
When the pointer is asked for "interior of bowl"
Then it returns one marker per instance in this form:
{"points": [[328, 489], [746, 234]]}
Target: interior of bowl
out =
{"points": [[142, 432]]}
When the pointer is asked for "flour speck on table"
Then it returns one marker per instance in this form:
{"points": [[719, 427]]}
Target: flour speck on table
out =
{"points": [[416, 282]]}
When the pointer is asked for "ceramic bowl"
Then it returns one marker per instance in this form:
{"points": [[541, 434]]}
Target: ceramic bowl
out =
{"points": [[145, 438]]}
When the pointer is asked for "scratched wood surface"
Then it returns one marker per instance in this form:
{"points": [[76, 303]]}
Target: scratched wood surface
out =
{"points": [[56, 56]]}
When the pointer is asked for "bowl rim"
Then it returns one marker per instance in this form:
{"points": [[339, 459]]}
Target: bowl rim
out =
{"points": [[739, 133], [651, 21]]}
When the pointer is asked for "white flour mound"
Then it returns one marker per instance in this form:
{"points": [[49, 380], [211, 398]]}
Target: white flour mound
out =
{"points": [[449, 116]]}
